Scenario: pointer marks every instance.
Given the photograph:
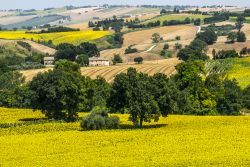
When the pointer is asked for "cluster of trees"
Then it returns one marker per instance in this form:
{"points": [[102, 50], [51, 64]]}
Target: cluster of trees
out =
{"points": [[176, 22], [245, 51], [24, 45], [62, 92], [224, 54], [79, 53], [222, 30], [114, 23], [218, 17]]}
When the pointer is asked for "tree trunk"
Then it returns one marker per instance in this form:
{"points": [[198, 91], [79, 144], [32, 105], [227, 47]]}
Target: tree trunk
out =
{"points": [[141, 121]]}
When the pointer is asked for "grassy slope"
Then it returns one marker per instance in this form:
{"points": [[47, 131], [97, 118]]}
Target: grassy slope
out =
{"points": [[176, 17], [70, 37], [173, 141]]}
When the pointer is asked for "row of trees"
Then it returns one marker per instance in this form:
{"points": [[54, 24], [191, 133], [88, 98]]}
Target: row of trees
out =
{"points": [[62, 92]]}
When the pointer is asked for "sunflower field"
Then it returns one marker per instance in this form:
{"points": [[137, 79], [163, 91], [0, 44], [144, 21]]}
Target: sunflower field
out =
{"points": [[75, 37], [28, 139]]}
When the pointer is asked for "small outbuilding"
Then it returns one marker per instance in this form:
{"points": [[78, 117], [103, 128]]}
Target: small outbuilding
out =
{"points": [[48, 61], [98, 61]]}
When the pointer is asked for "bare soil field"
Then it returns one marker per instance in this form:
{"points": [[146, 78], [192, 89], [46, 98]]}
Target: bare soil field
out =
{"points": [[166, 66]]}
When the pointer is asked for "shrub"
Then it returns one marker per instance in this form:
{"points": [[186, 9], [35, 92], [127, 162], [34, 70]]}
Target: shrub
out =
{"points": [[130, 50], [138, 60], [241, 37], [208, 36], [178, 38], [223, 54], [99, 119]]}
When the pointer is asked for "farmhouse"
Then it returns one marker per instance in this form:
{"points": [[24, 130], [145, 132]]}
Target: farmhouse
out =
{"points": [[48, 61], [98, 61]]}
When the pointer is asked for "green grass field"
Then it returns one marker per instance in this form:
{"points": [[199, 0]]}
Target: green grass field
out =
{"points": [[238, 68], [75, 37], [173, 141], [176, 17]]}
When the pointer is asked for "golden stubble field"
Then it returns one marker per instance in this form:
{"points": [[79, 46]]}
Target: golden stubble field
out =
{"points": [[173, 141], [109, 72]]}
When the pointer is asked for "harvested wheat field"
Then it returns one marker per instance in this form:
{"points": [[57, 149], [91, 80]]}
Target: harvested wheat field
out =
{"points": [[150, 67]]}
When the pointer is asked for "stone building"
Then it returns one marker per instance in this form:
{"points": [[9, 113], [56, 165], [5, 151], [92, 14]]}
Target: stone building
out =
{"points": [[98, 61]]}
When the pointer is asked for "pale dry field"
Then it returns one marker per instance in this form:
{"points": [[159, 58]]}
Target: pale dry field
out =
{"points": [[221, 45], [166, 66], [142, 41], [41, 48], [14, 19], [86, 14]]}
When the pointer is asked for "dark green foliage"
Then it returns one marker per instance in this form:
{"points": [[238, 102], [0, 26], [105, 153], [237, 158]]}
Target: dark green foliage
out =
{"points": [[224, 54], [195, 51], [221, 30], [69, 52], [241, 37], [138, 60], [197, 22], [156, 38], [244, 51], [82, 60], [88, 48], [232, 36], [130, 50], [166, 46], [239, 22], [231, 102], [130, 91], [207, 36], [246, 97], [101, 92], [66, 54], [98, 119], [194, 97], [176, 22], [117, 59], [218, 17], [58, 93], [25, 45], [177, 46]]}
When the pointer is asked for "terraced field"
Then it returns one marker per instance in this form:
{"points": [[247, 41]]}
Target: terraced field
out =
{"points": [[161, 66], [29, 139], [75, 37]]}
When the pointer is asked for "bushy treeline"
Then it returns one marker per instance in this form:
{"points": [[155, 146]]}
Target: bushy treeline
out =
{"points": [[62, 92], [218, 17], [222, 30], [114, 23], [158, 23], [79, 53]]}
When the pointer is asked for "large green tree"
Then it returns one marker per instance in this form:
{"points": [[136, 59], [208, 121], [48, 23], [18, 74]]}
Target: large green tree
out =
{"points": [[59, 93]]}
